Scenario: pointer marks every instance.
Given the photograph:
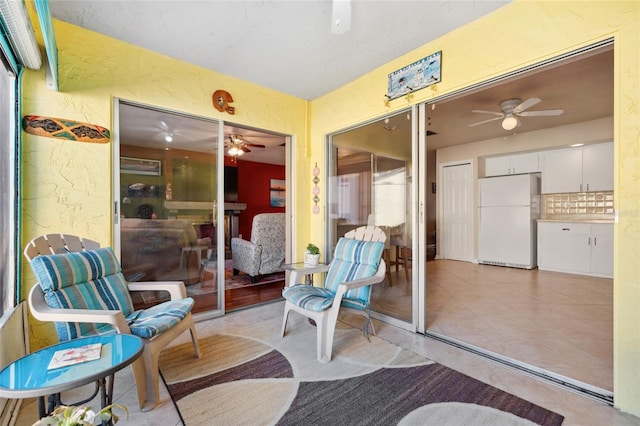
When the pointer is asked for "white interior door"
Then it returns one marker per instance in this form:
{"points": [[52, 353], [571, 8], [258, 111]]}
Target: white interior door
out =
{"points": [[457, 212]]}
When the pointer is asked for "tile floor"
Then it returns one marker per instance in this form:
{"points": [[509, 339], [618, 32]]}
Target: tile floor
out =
{"points": [[577, 409], [559, 322]]}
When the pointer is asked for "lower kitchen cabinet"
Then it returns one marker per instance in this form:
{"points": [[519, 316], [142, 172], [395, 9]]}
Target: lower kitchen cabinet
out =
{"points": [[577, 248]]}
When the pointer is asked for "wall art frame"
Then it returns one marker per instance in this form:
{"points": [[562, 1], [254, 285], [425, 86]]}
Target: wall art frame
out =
{"points": [[415, 76], [277, 193], [140, 166]]}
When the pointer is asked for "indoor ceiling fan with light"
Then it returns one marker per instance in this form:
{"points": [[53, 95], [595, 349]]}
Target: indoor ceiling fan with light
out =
{"points": [[237, 146], [514, 108]]}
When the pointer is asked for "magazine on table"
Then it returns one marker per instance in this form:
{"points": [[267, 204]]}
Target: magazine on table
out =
{"points": [[71, 356]]}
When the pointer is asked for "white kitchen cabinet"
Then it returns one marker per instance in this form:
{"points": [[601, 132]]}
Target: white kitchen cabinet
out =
{"points": [[577, 248], [561, 170], [602, 250], [580, 169], [597, 167], [563, 246], [512, 164]]}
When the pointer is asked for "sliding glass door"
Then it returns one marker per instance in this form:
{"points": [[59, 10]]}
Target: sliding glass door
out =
{"points": [[372, 183], [166, 191]]}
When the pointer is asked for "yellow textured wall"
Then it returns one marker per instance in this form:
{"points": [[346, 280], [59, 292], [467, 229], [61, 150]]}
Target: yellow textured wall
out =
{"points": [[67, 186], [514, 36]]}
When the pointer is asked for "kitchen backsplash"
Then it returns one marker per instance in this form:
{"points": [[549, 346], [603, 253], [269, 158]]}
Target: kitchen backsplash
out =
{"points": [[581, 205]]}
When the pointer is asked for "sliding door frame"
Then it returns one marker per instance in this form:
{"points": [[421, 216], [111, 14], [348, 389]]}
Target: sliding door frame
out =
{"points": [[117, 196], [418, 222]]}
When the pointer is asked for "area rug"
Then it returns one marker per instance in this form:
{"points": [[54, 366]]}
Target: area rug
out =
{"points": [[243, 380]]}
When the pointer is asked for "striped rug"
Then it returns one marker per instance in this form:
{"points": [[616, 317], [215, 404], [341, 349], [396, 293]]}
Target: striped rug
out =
{"points": [[242, 380]]}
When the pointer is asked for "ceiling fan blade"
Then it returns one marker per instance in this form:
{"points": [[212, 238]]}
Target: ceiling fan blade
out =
{"points": [[486, 121], [526, 105], [482, 111], [545, 112], [245, 149], [255, 145]]}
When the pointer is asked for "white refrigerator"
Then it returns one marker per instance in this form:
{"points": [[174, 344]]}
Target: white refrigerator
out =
{"points": [[508, 209]]}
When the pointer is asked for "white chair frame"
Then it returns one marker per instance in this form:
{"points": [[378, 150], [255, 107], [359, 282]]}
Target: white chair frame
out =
{"points": [[326, 320], [145, 369]]}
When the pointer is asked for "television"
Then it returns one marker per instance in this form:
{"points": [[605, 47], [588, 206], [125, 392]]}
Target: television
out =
{"points": [[230, 183]]}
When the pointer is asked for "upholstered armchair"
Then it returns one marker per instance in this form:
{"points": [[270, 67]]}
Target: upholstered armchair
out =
{"points": [[265, 252]]}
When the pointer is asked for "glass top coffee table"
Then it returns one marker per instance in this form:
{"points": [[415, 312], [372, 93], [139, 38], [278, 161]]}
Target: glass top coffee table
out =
{"points": [[29, 377]]}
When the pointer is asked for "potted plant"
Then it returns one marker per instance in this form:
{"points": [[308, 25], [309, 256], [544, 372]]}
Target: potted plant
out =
{"points": [[80, 416], [312, 255]]}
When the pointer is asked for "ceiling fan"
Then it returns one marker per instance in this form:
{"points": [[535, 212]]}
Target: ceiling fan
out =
{"points": [[237, 146], [162, 130], [514, 108]]}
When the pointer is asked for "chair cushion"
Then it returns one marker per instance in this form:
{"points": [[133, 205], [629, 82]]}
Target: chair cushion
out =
{"points": [[159, 318], [317, 299], [91, 279], [352, 260], [309, 297]]}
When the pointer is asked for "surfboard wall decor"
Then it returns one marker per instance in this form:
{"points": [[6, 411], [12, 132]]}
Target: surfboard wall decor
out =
{"points": [[61, 128]]}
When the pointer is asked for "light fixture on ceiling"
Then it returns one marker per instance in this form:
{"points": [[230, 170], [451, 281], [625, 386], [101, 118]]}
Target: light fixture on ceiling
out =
{"points": [[235, 151], [388, 126], [341, 17], [168, 138], [15, 20], [510, 122]]}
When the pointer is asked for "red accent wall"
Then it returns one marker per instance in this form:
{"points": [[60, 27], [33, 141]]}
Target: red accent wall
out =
{"points": [[253, 189]]}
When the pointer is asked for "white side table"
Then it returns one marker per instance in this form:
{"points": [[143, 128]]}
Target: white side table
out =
{"points": [[299, 269]]}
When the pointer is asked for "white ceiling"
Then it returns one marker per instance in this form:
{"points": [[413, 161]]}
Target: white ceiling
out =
{"points": [[284, 45], [288, 46]]}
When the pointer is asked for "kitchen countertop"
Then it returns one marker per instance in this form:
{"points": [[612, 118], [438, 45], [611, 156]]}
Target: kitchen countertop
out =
{"points": [[573, 220]]}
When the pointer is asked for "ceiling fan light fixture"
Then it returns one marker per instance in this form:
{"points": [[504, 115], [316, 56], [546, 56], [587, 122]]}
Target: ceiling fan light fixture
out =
{"points": [[234, 151], [510, 122], [168, 138]]}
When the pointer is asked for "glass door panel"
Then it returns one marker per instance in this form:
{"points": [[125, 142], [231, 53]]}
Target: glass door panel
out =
{"points": [[168, 187], [371, 184]]}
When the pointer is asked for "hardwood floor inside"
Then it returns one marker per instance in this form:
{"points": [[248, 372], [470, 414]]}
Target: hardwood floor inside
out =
{"points": [[205, 293], [559, 322]]}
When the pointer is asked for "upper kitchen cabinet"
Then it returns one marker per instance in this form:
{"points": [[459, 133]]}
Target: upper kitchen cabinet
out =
{"points": [[584, 169], [512, 164], [597, 167]]}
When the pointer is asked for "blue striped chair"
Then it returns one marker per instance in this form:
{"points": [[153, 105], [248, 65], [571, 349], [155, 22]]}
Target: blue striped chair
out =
{"points": [[357, 264], [82, 289]]}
